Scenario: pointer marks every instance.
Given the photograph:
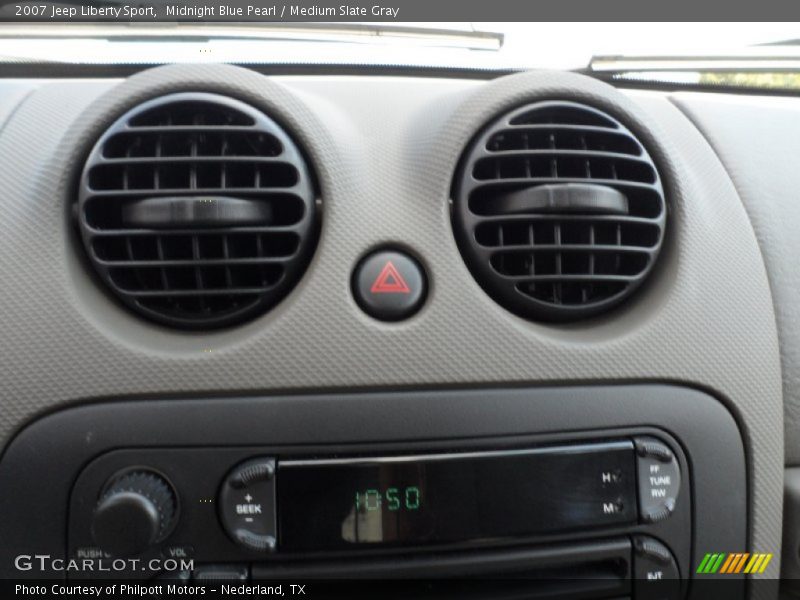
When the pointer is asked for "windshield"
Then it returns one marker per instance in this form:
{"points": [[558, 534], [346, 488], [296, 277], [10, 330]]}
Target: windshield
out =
{"points": [[463, 45]]}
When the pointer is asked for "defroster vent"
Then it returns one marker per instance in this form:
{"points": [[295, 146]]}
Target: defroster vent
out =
{"points": [[197, 210], [559, 211]]}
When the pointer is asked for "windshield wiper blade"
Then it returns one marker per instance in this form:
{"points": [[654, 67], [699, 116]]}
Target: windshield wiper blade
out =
{"points": [[753, 59], [775, 69]]}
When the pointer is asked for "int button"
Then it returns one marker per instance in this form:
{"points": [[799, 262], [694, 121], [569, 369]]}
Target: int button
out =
{"points": [[389, 285]]}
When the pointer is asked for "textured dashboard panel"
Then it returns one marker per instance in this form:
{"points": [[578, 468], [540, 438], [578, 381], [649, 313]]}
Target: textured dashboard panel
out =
{"points": [[385, 150], [758, 140]]}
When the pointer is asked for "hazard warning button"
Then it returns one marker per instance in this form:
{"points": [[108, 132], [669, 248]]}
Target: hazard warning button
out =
{"points": [[389, 285]]}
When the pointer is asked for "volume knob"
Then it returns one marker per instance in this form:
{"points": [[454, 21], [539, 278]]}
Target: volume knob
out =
{"points": [[136, 510]]}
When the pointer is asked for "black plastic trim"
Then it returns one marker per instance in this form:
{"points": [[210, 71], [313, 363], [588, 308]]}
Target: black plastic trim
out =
{"points": [[541, 275]]}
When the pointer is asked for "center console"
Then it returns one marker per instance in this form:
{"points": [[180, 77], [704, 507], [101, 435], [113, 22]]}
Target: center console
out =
{"points": [[592, 489]]}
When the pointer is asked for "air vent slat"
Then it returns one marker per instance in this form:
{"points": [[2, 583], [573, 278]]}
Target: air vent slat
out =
{"points": [[191, 159], [122, 233], [524, 181], [198, 270], [565, 217], [559, 211], [162, 129], [572, 248], [197, 210], [536, 164], [194, 293], [549, 152], [131, 256], [210, 191], [161, 259], [526, 127], [199, 262], [102, 233], [563, 138], [561, 112], [568, 278]]}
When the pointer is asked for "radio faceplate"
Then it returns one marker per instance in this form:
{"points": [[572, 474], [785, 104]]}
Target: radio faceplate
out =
{"points": [[271, 504]]}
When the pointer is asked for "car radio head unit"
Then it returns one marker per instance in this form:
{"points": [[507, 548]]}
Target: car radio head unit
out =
{"points": [[454, 498], [276, 505]]}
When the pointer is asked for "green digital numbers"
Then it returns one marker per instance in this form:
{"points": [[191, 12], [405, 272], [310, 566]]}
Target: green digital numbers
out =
{"points": [[393, 499], [412, 498], [372, 499]]}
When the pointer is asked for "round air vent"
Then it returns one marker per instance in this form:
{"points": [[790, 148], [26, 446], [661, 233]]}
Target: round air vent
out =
{"points": [[559, 211], [197, 210]]}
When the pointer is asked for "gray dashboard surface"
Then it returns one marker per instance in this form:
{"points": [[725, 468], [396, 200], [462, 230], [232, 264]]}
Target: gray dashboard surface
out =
{"points": [[385, 150], [758, 141]]}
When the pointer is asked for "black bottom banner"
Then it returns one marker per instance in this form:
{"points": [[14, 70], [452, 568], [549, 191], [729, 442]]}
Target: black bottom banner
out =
{"points": [[496, 589]]}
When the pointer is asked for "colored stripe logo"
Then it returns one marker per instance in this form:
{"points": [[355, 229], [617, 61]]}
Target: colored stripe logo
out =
{"points": [[737, 562]]}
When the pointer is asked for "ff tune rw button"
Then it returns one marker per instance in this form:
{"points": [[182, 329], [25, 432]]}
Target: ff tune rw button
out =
{"points": [[659, 479], [389, 285]]}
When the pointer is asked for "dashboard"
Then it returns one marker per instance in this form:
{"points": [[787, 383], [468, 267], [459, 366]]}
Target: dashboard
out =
{"points": [[348, 278]]}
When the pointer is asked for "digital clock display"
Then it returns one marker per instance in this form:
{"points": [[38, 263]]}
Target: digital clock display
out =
{"points": [[395, 501], [391, 499]]}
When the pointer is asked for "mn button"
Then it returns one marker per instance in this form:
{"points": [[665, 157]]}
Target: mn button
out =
{"points": [[389, 285]]}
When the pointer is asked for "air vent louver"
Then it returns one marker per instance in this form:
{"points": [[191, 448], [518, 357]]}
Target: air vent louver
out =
{"points": [[197, 210], [559, 211]]}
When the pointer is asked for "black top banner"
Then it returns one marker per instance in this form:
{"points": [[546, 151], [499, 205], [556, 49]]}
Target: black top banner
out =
{"points": [[272, 11]]}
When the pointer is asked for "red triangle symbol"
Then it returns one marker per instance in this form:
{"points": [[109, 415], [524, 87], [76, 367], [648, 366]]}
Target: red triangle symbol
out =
{"points": [[390, 281]]}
